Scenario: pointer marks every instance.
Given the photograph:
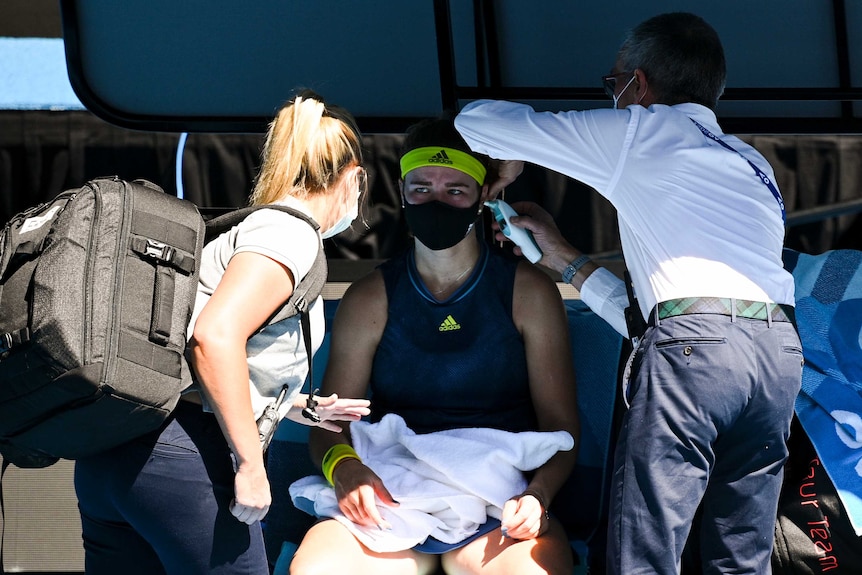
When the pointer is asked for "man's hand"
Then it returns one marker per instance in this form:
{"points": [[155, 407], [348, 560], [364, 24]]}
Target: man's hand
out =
{"points": [[501, 173], [556, 251]]}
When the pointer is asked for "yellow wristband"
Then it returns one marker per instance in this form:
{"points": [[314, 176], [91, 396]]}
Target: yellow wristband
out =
{"points": [[334, 456]]}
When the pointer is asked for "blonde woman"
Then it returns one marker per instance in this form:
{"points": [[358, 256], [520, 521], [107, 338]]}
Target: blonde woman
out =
{"points": [[188, 498]]}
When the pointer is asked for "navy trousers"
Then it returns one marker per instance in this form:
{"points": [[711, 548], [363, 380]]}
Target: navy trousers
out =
{"points": [[711, 400], [159, 505]]}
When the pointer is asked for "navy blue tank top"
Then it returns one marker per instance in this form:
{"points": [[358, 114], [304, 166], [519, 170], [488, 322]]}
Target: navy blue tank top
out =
{"points": [[456, 363]]}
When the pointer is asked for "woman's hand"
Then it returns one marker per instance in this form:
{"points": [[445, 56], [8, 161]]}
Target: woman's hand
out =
{"points": [[252, 496], [524, 517], [331, 408], [357, 489]]}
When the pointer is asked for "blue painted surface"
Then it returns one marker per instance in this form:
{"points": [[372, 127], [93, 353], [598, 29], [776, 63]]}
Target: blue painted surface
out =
{"points": [[33, 75]]}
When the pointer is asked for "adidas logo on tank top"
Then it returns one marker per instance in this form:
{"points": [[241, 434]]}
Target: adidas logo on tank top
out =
{"points": [[449, 324]]}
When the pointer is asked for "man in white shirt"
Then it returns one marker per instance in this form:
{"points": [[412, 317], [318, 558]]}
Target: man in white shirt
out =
{"points": [[716, 373]]}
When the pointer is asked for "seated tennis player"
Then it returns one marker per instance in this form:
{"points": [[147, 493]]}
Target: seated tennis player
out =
{"points": [[474, 424]]}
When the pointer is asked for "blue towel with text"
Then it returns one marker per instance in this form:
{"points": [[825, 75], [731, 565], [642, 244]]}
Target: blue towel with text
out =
{"points": [[829, 406]]}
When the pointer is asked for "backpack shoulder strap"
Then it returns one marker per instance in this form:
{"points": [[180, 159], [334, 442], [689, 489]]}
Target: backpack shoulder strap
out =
{"points": [[220, 224], [307, 288]]}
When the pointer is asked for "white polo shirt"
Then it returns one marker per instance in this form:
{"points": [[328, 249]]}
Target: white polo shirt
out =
{"points": [[695, 219]]}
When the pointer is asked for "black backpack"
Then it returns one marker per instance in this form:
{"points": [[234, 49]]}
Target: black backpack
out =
{"points": [[97, 288]]}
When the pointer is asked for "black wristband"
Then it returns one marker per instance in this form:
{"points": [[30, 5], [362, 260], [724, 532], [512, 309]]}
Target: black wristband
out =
{"points": [[540, 500]]}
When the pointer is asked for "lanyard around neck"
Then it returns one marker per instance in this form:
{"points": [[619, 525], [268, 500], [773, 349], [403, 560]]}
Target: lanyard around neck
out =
{"points": [[763, 177]]}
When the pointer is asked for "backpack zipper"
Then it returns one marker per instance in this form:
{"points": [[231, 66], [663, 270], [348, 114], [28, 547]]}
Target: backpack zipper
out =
{"points": [[123, 233], [88, 274]]}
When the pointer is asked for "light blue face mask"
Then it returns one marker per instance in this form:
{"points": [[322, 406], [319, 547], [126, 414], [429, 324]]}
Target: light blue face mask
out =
{"points": [[623, 91], [342, 224], [347, 219]]}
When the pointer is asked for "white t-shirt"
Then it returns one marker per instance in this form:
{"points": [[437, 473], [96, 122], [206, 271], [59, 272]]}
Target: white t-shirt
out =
{"points": [[277, 354], [695, 220]]}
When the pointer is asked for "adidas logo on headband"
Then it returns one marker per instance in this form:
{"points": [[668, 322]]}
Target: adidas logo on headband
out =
{"points": [[446, 157], [440, 158]]}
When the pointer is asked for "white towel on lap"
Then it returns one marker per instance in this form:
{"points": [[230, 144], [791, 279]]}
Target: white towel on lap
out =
{"points": [[447, 483]]}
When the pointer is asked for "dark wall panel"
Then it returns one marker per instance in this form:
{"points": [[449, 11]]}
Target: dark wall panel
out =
{"points": [[43, 153], [30, 18]]}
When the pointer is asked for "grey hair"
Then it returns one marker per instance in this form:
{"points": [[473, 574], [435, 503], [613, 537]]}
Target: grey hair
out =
{"points": [[681, 56]]}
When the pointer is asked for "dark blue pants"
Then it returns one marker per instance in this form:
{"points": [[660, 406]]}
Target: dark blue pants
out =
{"points": [[711, 404], [159, 504]]}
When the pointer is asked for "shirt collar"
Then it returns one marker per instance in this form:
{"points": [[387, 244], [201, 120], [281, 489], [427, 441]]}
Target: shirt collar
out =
{"points": [[701, 114]]}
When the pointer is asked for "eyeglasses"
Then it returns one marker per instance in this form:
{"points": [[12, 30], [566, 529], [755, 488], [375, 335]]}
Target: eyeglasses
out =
{"points": [[609, 83], [362, 180]]}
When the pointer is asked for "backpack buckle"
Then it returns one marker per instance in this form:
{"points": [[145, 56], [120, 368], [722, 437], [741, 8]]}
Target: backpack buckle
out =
{"points": [[158, 250], [12, 339], [5, 344]]}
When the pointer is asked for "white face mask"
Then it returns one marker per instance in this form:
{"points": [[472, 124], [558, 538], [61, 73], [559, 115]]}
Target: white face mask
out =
{"points": [[342, 224], [347, 219], [623, 91]]}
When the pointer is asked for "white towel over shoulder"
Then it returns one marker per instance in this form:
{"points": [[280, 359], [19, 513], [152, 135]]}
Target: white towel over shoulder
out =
{"points": [[447, 483]]}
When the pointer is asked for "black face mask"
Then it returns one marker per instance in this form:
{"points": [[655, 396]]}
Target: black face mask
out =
{"points": [[438, 225]]}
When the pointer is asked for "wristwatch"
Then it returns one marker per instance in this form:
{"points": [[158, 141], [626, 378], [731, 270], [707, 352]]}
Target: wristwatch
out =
{"points": [[573, 267]]}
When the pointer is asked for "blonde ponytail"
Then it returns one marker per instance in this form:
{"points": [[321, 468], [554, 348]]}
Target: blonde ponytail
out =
{"points": [[307, 147]]}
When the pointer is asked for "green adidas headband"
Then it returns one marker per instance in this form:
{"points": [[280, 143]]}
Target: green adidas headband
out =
{"points": [[445, 157]]}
